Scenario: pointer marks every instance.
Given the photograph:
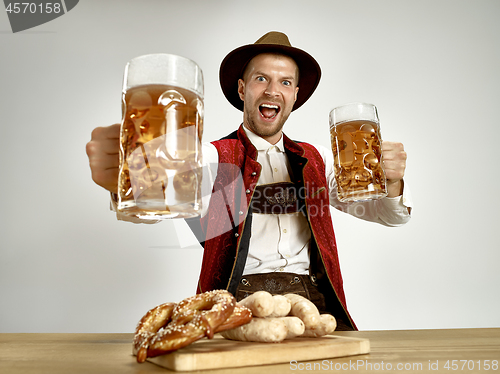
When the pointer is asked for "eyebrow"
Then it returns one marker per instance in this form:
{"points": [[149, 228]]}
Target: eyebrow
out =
{"points": [[258, 72]]}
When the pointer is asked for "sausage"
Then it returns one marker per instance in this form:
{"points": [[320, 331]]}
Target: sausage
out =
{"points": [[261, 303], [282, 306], [327, 326], [294, 325], [267, 330], [305, 310]]}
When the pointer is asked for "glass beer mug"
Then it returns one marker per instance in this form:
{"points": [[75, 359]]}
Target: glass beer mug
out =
{"points": [[356, 145], [160, 139]]}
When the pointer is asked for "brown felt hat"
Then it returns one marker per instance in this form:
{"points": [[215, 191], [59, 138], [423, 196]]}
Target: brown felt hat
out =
{"points": [[233, 65]]}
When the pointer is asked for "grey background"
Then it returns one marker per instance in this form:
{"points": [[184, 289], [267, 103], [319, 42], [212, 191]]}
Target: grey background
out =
{"points": [[431, 67]]}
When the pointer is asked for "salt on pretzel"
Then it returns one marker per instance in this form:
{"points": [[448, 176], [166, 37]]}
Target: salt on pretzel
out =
{"points": [[241, 315], [169, 327], [148, 326], [216, 306]]}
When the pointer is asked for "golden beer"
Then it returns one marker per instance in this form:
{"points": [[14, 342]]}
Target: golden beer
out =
{"points": [[357, 160], [160, 152]]}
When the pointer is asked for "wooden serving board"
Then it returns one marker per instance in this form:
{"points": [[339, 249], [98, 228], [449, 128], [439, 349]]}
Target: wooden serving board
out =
{"points": [[222, 353]]}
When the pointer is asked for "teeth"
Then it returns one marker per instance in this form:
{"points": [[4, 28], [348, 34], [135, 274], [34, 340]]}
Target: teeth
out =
{"points": [[270, 106]]}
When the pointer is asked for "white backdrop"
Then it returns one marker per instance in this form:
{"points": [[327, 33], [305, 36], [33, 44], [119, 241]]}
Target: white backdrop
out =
{"points": [[431, 67]]}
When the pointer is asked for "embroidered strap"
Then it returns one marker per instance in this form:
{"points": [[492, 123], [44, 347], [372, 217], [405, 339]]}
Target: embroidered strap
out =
{"points": [[276, 198]]}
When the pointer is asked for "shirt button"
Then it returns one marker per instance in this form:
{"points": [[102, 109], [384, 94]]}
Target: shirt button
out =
{"points": [[254, 173], [276, 170], [281, 269], [247, 191], [284, 230], [241, 213], [236, 235]]}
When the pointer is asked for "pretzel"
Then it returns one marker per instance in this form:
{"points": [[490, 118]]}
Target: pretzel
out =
{"points": [[170, 326], [241, 315], [148, 326]]}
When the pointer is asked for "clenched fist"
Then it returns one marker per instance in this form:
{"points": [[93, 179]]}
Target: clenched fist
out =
{"points": [[394, 159], [103, 153]]}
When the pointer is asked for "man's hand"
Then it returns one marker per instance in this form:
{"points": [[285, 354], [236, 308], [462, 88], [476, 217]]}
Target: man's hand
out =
{"points": [[394, 159], [102, 151]]}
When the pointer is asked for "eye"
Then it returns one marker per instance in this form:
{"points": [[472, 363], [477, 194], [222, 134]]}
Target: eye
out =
{"points": [[287, 83], [261, 79]]}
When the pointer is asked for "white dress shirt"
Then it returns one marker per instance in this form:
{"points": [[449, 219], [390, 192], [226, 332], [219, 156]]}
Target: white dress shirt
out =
{"points": [[279, 242]]}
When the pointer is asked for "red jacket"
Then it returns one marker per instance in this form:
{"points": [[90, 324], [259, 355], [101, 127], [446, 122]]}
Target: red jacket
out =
{"points": [[225, 230]]}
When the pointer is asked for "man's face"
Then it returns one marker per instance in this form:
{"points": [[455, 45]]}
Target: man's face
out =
{"points": [[268, 90]]}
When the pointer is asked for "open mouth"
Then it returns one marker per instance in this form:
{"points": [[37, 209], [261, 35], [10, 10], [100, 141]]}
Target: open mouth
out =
{"points": [[269, 111]]}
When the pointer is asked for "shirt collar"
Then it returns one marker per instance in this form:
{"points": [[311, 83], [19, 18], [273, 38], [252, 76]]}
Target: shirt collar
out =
{"points": [[261, 144]]}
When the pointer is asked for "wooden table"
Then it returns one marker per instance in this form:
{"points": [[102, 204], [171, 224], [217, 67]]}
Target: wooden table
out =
{"points": [[412, 351]]}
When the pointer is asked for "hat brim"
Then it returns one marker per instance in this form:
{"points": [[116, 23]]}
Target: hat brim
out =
{"points": [[234, 63]]}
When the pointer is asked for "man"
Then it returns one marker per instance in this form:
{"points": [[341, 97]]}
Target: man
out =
{"points": [[284, 244]]}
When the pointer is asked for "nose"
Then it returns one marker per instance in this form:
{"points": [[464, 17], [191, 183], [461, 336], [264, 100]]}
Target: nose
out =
{"points": [[272, 89]]}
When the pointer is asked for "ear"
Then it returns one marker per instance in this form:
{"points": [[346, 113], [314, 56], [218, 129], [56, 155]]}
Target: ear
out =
{"points": [[296, 92], [241, 89]]}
